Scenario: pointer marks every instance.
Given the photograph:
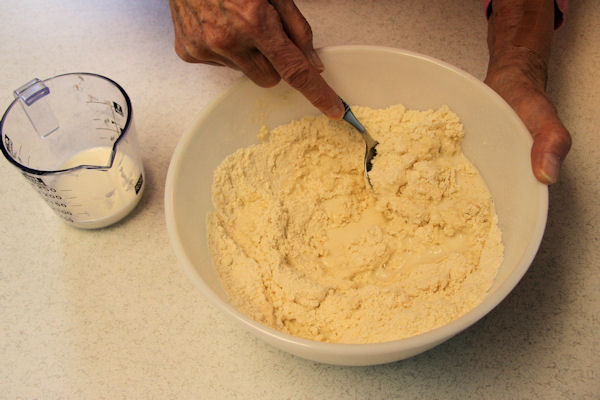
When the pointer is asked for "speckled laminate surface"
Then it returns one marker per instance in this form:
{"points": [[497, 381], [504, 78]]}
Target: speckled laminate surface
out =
{"points": [[108, 313]]}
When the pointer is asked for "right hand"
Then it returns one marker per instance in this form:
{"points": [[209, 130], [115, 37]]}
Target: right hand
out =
{"points": [[268, 40]]}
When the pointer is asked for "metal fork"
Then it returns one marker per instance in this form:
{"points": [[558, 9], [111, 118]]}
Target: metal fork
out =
{"points": [[370, 143]]}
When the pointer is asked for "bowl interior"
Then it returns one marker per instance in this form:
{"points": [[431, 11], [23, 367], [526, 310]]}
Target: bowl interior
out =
{"points": [[495, 141]]}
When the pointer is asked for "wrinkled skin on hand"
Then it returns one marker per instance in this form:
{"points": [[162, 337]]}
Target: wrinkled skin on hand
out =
{"points": [[270, 40], [266, 40], [520, 79], [519, 40]]}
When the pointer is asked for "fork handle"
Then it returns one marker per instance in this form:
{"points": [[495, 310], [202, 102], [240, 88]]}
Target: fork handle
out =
{"points": [[351, 118]]}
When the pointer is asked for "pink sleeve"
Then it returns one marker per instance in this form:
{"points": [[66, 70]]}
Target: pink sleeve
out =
{"points": [[561, 8]]}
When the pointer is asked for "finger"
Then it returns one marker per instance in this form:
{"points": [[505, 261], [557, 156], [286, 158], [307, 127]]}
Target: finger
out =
{"points": [[298, 30], [193, 55], [199, 54], [256, 67], [551, 143], [294, 68], [551, 140]]}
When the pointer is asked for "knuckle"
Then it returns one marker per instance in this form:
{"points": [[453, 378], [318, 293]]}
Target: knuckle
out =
{"points": [[253, 10], [555, 139], [185, 57], [566, 141], [196, 51], [261, 21], [306, 32], [268, 80], [220, 41], [182, 53], [187, 52], [250, 19], [297, 74], [323, 101]]}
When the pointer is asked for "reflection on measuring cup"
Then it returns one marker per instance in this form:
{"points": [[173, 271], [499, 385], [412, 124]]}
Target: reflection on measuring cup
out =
{"points": [[73, 138]]}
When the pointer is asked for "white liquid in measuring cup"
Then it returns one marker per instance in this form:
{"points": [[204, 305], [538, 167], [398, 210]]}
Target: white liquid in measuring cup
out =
{"points": [[99, 197]]}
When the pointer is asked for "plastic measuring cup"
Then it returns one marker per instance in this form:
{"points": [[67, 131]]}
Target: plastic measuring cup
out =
{"points": [[73, 138]]}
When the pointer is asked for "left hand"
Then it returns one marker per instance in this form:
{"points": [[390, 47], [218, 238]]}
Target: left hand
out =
{"points": [[519, 39], [520, 81]]}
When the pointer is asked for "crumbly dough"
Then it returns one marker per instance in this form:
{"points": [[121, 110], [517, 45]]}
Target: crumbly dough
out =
{"points": [[303, 245]]}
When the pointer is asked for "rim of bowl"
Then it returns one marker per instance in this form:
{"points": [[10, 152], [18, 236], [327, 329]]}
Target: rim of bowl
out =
{"points": [[430, 338]]}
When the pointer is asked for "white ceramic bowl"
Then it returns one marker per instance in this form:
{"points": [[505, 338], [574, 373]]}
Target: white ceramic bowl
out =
{"points": [[496, 141]]}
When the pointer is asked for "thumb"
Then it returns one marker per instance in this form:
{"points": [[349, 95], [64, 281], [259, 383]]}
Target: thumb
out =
{"points": [[551, 143]]}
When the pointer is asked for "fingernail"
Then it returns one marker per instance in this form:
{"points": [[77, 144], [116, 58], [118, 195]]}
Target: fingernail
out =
{"points": [[336, 112], [550, 168], [316, 61]]}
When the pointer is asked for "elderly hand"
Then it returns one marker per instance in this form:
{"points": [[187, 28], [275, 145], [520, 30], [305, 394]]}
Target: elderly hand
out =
{"points": [[266, 40], [519, 39], [520, 78]]}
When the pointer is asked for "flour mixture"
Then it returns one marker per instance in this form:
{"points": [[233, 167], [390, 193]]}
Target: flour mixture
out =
{"points": [[303, 245]]}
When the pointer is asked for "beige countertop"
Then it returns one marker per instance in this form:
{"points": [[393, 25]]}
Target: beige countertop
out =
{"points": [[109, 314]]}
